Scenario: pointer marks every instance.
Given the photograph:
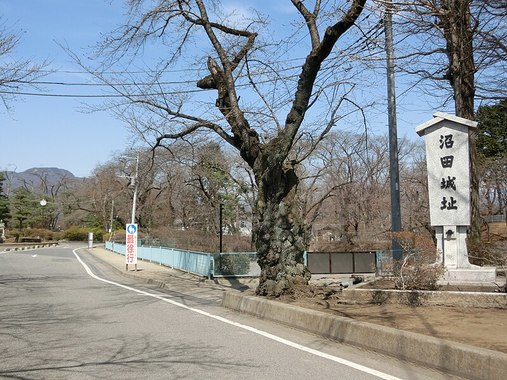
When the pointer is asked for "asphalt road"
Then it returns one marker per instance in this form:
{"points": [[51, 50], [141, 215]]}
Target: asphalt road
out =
{"points": [[66, 315]]}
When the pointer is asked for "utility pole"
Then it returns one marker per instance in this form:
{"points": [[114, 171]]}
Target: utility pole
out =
{"points": [[111, 221], [394, 171], [134, 200]]}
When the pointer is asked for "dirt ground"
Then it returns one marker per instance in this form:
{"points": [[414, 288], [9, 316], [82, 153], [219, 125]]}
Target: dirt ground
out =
{"points": [[486, 328]]}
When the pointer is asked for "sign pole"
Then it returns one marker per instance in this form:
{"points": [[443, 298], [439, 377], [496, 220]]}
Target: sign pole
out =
{"points": [[134, 204]]}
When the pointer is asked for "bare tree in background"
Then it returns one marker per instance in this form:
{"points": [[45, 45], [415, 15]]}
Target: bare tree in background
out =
{"points": [[458, 46], [236, 63], [356, 170], [15, 73], [455, 46]]}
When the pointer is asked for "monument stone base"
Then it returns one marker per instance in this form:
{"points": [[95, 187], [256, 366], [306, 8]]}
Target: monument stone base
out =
{"points": [[469, 275]]}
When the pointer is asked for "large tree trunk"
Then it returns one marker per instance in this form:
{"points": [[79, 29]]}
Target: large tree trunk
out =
{"points": [[278, 229], [458, 32]]}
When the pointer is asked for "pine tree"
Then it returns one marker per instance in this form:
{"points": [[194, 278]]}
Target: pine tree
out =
{"points": [[492, 130], [23, 208], [4, 201]]}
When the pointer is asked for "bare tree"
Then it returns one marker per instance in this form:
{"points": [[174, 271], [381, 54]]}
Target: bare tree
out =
{"points": [[251, 125], [15, 73], [114, 181], [457, 46]]}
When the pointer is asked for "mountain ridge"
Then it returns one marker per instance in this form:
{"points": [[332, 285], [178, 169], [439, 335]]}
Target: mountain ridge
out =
{"points": [[39, 179]]}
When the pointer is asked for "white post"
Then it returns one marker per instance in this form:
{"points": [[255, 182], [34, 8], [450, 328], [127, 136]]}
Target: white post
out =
{"points": [[90, 239]]}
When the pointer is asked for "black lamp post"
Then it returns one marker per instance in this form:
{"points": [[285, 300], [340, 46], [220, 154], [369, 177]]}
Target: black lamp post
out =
{"points": [[221, 229]]}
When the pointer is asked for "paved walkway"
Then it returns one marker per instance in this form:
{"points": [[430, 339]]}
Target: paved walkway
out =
{"points": [[153, 272]]}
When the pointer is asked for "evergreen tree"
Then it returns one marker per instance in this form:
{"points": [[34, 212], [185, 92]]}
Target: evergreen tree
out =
{"points": [[23, 208], [492, 149], [492, 130], [4, 201]]}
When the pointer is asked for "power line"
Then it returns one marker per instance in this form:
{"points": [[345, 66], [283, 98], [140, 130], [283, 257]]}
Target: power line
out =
{"points": [[119, 95], [60, 83], [59, 95], [42, 94]]}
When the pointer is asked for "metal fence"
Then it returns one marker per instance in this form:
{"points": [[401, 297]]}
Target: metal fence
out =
{"points": [[239, 264], [188, 261], [244, 264]]}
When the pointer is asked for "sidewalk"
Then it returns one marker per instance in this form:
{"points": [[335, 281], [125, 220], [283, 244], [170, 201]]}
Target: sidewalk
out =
{"points": [[151, 273], [458, 358]]}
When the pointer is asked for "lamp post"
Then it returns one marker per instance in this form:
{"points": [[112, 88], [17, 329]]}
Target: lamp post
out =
{"points": [[43, 204], [221, 234]]}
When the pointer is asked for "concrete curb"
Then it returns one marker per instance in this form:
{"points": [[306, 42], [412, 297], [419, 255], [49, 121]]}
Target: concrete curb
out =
{"points": [[426, 297], [461, 359], [16, 248]]}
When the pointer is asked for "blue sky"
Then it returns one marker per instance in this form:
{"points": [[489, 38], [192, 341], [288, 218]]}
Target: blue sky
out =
{"points": [[54, 131], [49, 131]]}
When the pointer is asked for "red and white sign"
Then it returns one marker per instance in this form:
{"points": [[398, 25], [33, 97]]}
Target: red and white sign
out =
{"points": [[131, 244]]}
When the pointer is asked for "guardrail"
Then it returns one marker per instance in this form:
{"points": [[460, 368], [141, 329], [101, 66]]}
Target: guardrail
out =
{"points": [[236, 264], [185, 260]]}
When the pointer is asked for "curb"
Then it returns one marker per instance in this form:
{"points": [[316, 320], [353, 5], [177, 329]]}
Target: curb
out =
{"points": [[11, 248], [426, 297], [461, 359]]}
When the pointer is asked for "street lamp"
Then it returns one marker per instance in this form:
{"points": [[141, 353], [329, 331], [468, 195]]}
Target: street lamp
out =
{"points": [[221, 234], [43, 203]]}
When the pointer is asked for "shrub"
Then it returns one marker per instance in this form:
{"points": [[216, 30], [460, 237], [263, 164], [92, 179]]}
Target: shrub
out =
{"points": [[75, 233], [418, 269], [43, 233], [487, 253]]}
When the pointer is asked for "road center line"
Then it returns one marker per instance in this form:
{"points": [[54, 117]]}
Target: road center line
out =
{"points": [[265, 334]]}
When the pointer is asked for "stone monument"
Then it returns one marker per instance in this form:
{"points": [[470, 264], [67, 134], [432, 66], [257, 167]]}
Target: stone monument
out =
{"points": [[448, 164]]}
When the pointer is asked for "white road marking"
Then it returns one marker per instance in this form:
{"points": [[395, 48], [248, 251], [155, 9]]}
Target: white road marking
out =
{"points": [[265, 334]]}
